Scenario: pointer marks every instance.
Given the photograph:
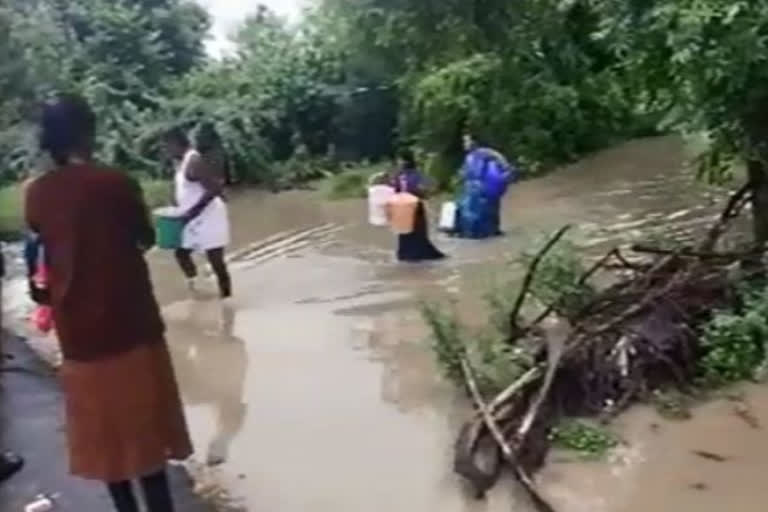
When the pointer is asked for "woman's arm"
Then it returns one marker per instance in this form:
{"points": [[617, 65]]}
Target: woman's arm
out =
{"points": [[198, 170]]}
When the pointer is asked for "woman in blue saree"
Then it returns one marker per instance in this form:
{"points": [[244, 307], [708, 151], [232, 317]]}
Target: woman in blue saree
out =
{"points": [[414, 246], [485, 176]]}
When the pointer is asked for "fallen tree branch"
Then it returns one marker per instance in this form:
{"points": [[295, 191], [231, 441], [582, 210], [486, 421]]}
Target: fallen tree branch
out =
{"points": [[733, 208], [638, 334], [509, 456], [527, 378], [554, 357], [528, 280], [582, 280], [634, 310], [689, 253]]}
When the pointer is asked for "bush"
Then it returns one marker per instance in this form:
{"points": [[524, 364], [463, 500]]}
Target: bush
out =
{"points": [[587, 440], [734, 341], [157, 193], [557, 280], [352, 183], [442, 171], [11, 215], [496, 362]]}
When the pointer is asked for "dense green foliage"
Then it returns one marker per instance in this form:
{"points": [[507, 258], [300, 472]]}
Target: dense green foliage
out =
{"points": [[734, 341], [587, 440], [118, 54], [542, 80], [538, 80], [559, 280], [703, 62], [353, 79]]}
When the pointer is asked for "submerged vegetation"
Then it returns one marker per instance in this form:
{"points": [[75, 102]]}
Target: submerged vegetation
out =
{"points": [[587, 440], [666, 326], [734, 341]]}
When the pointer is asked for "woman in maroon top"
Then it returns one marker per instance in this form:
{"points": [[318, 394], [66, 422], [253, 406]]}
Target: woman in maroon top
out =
{"points": [[124, 415]]}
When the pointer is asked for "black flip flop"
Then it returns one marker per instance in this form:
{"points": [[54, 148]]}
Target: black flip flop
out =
{"points": [[10, 464]]}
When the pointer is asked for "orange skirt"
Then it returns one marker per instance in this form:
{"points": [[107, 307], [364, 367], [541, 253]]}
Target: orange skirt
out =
{"points": [[124, 415]]}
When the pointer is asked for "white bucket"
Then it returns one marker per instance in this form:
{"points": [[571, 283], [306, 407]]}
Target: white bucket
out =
{"points": [[378, 198], [448, 216]]}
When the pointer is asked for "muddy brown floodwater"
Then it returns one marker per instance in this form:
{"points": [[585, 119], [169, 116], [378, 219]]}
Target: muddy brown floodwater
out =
{"points": [[317, 389]]}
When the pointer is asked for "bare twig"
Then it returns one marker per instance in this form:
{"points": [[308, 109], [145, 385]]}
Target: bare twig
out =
{"points": [[502, 398], [624, 261], [689, 253], [733, 209], [554, 357], [509, 456], [530, 274], [582, 280]]}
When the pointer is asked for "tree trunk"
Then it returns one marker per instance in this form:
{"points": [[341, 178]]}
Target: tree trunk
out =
{"points": [[757, 173], [758, 178]]}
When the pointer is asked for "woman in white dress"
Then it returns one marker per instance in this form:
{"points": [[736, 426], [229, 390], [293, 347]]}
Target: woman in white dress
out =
{"points": [[198, 194]]}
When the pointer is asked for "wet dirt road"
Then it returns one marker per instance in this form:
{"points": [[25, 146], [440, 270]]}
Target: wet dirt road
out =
{"points": [[317, 388]]}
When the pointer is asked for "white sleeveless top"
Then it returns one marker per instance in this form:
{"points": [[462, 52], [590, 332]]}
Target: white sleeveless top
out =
{"points": [[210, 230]]}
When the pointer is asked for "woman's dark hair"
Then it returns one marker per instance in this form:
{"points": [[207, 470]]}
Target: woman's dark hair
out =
{"points": [[177, 136], [207, 138], [68, 125], [408, 158]]}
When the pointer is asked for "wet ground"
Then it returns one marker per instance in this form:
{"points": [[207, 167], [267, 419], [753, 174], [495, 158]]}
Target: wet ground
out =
{"points": [[32, 425], [317, 388]]}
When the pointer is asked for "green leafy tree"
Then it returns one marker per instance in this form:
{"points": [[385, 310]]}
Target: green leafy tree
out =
{"points": [[705, 62], [121, 55], [537, 79]]}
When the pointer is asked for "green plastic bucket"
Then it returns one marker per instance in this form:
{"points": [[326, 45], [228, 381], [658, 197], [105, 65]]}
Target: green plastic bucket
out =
{"points": [[169, 230]]}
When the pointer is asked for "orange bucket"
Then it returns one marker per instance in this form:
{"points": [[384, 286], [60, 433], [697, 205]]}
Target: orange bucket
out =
{"points": [[402, 212]]}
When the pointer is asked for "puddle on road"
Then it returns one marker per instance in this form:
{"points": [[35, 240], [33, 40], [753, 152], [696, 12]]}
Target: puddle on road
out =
{"points": [[318, 390]]}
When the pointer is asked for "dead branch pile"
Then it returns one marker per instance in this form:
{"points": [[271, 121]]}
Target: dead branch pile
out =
{"points": [[634, 337]]}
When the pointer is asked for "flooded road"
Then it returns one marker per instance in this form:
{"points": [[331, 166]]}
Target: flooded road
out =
{"points": [[317, 388]]}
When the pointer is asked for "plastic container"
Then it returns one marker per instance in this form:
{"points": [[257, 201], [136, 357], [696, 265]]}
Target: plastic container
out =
{"points": [[169, 228], [378, 198], [42, 503], [402, 212], [447, 216]]}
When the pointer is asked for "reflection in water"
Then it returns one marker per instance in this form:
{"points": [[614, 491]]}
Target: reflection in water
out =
{"points": [[410, 380], [212, 364]]}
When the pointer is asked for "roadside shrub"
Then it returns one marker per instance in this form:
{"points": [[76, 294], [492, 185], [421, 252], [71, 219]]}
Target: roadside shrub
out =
{"points": [[557, 279], [734, 341]]}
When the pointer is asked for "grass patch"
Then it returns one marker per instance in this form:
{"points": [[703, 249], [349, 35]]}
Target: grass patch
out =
{"points": [[495, 361], [157, 193], [352, 183], [11, 214], [734, 341], [587, 440]]}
